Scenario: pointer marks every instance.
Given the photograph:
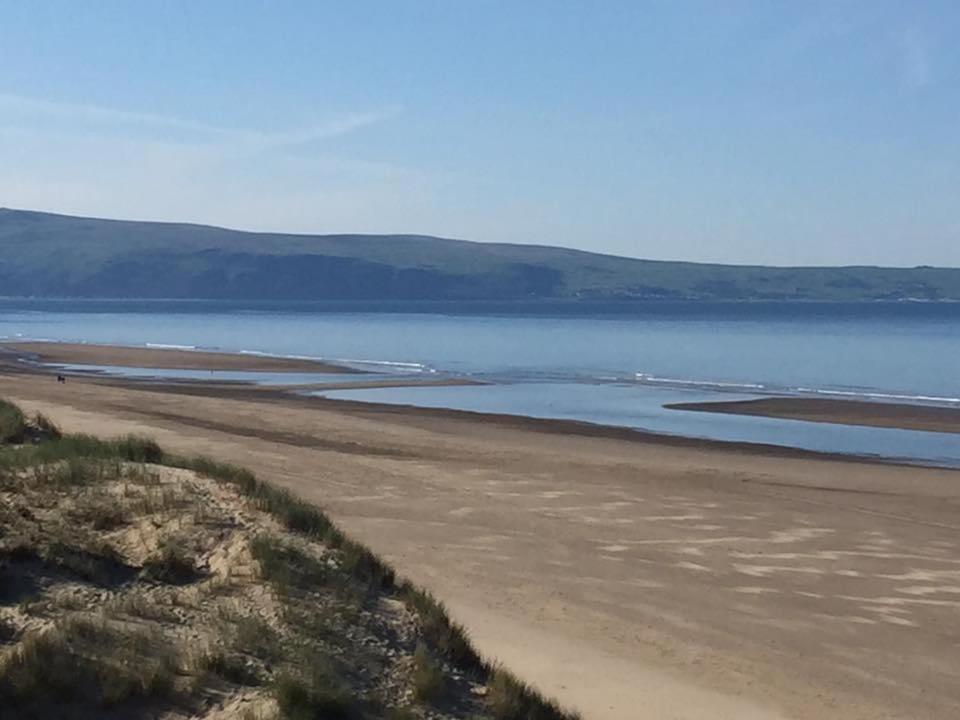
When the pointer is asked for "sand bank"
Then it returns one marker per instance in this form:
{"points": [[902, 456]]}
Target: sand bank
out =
{"points": [[165, 358], [844, 412]]}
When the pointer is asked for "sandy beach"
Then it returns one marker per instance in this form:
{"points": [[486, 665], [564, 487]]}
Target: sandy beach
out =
{"points": [[627, 575], [846, 412]]}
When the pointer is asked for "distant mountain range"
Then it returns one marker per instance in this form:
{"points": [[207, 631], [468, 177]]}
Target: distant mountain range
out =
{"points": [[48, 255]]}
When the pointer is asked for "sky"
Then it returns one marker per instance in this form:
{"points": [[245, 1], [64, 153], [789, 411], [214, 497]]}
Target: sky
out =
{"points": [[771, 132]]}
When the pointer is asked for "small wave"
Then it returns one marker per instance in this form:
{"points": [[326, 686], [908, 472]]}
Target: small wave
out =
{"points": [[878, 395], [20, 337], [866, 394], [411, 366], [678, 382], [261, 353], [166, 346]]}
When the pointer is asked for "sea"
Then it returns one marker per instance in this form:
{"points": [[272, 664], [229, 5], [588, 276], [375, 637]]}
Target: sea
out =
{"points": [[609, 363]]}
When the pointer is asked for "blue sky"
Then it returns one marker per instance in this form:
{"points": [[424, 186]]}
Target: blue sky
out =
{"points": [[767, 132]]}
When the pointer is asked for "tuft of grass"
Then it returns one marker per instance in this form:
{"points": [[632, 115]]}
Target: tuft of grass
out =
{"points": [[77, 472], [402, 713], [101, 510], [318, 696], [428, 678], [231, 668], [171, 565], [156, 500], [511, 699], [287, 567], [13, 423], [140, 474], [81, 661], [134, 448], [234, 474], [254, 636], [325, 622], [447, 638], [130, 448], [365, 567], [139, 605]]}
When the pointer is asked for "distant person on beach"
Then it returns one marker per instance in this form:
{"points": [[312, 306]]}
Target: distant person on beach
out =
{"points": [[61, 379]]}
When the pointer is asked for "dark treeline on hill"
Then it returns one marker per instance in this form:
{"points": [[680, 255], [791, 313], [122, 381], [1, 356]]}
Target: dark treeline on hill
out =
{"points": [[47, 255]]}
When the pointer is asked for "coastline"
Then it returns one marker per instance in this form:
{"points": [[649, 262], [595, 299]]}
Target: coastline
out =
{"points": [[286, 395], [616, 570], [31, 358], [927, 418]]}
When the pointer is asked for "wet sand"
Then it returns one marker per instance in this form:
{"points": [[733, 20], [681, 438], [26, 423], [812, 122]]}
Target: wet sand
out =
{"points": [[164, 358], [844, 412], [628, 575]]}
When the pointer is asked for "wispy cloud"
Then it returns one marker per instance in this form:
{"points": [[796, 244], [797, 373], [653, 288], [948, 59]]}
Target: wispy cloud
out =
{"points": [[17, 109], [92, 160]]}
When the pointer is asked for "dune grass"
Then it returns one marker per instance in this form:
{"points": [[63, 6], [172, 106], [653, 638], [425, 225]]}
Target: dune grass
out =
{"points": [[312, 688], [79, 660], [12, 422], [428, 677], [318, 696]]}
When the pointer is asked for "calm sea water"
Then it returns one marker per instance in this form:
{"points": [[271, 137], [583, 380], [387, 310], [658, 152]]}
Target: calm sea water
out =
{"points": [[609, 363]]}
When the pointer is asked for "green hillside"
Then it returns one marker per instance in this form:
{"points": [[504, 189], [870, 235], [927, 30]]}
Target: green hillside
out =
{"points": [[47, 255]]}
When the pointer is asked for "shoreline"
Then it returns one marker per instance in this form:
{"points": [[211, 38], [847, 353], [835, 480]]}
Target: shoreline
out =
{"points": [[927, 418], [159, 358]]}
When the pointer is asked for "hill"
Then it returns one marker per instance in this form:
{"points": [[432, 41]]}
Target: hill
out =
{"points": [[48, 255]]}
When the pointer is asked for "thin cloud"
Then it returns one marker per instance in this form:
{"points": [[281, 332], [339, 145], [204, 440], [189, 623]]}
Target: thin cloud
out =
{"points": [[92, 160], [334, 128], [13, 106]]}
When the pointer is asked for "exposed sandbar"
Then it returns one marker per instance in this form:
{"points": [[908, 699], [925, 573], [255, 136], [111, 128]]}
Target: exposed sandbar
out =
{"points": [[166, 358], [843, 412]]}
